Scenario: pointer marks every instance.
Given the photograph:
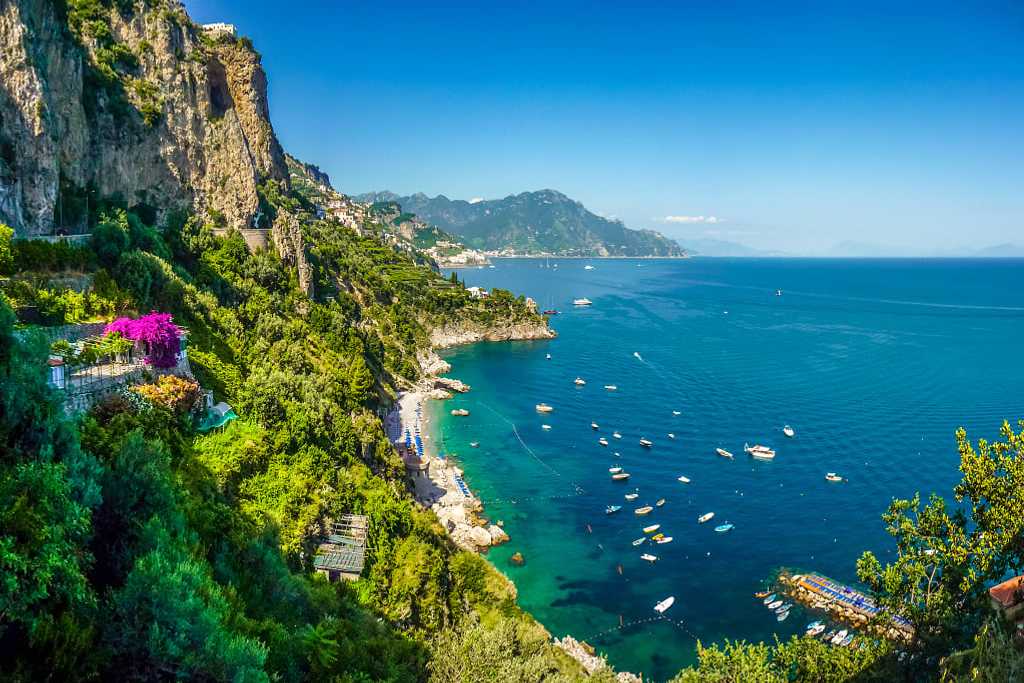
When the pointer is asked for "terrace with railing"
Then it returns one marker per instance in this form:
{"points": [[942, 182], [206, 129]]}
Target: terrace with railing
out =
{"points": [[90, 362]]}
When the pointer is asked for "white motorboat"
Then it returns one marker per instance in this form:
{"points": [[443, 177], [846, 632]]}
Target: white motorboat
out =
{"points": [[621, 476], [832, 476], [616, 435], [582, 302], [663, 539], [579, 381], [639, 541], [615, 470], [649, 557], [706, 517], [760, 452], [460, 412], [788, 431], [646, 443], [661, 501], [610, 387], [684, 479], [547, 357], [724, 453], [603, 441], [645, 510], [671, 435], [631, 496], [664, 604], [545, 427], [838, 638], [652, 528], [676, 412], [588, 267], [594, 425], [543, 408]]}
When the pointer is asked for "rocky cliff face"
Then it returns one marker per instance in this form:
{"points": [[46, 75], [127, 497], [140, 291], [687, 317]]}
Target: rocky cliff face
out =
{"points": [[130, 101]]}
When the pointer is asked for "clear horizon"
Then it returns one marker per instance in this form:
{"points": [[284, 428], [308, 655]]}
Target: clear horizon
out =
{"points": [[791, 128]]}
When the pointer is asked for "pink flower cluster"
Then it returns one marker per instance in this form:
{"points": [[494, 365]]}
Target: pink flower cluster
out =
{"points": [[161, 336]]}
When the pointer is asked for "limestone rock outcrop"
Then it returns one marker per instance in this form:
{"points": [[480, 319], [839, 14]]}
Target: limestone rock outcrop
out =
{"points": [[178, 121]]}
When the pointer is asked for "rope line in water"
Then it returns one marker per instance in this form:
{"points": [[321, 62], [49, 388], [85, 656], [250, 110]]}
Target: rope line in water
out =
{"points": [[678, 624], [521, 442]]}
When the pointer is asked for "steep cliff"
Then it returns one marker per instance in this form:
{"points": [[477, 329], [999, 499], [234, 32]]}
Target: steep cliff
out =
{"points": [[105, 99]]}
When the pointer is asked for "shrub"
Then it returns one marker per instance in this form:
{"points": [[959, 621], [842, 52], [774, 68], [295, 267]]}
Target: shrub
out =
{"points": [[172, 392]]}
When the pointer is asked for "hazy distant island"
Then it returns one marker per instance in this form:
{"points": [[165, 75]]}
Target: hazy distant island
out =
{"points": [[545, 222], [702, 246]]}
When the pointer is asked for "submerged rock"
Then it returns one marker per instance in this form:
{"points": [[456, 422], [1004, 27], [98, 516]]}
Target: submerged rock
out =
{"points": [[517, 559]]}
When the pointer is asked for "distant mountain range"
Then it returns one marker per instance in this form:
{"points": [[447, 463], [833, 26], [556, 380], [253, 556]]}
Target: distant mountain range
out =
{"points": [[701, 246], [531, 223]]}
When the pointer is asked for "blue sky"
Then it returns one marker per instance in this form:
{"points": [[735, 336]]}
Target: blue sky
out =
{"points": [[795, 125]]}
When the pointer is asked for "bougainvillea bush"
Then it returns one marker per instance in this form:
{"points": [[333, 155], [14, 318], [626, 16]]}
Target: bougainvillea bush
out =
{"points": [[161, 336]]}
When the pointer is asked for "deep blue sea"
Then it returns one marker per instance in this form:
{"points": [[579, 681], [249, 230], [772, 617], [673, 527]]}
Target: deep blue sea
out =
{"points": [[874, 363]]}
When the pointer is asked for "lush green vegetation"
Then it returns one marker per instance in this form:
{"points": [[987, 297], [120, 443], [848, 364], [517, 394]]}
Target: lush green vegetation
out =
{"points": [[133, 547]]}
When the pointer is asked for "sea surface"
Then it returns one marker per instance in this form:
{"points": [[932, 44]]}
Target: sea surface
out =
{"points": [[874, 363]]}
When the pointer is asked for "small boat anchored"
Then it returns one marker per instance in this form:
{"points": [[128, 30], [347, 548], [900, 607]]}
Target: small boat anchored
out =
{"points": [[579, 381], [646, 443], [665, 604], [671, 435], [612, 508], [614, 470], [676, 412], [760, 452], [649, 557], [645, 510], [543, 408], [663, 539], [722, 528], [474, 444], [661, 501], [610, 387], [621, 476], [724, 453], [832, 476], [582, 302], [616, 435], [460, 412], [768, 599], [706, 517], [652, 528], [788, 431], [639, 541], [603, 441], [594, 425], [684, 479], [545, 427]]}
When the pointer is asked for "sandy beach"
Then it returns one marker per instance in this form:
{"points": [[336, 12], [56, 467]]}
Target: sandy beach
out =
{"points": [[437, 481]]}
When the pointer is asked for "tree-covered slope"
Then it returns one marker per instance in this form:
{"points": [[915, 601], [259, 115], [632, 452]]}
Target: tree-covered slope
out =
{"points": [[539, 222]]}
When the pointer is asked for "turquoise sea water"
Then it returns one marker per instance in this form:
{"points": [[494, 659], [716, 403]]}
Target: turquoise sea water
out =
{"points": [[874, 363]]}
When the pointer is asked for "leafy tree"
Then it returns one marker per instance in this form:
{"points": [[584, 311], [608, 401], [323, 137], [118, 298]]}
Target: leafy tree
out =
{"points": [[171, 620], [110, 238], [946, 558], [48, 488], [6, 256]]}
